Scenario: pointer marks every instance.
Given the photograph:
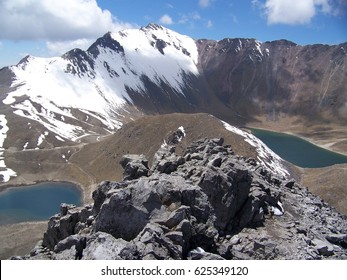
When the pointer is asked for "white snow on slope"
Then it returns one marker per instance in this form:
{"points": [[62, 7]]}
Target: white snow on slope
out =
{"points": [[40, 140], [45, 80], [181, 128], [179, 138], [27, 110], [101, 90], [5, 173], [144, 58], [266, 156]]}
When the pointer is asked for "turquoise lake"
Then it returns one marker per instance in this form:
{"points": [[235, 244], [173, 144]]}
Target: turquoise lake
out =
{"points": [[36, 202], [298, 151]]}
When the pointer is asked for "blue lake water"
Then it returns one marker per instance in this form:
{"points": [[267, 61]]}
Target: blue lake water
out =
{"points": [[297, 150], [37, 202]]}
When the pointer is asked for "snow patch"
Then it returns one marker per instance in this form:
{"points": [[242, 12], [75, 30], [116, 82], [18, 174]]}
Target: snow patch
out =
{"points": [[181, 128], [59, 138], [40, 140], [27, 110], [25, 146], [266, 156], [164, 144], [5, 173], [258, 47], [64, 157], [278, 210]]}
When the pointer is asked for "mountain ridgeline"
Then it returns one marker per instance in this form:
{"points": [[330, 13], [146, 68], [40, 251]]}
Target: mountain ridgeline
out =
{"points": [[154, 70]]}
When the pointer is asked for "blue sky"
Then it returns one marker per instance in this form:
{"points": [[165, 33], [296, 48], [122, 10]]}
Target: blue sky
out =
{"points": [[50, 27]]}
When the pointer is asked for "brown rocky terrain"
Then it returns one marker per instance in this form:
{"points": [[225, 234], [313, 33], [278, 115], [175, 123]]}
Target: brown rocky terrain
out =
{"points": [[145, 136], [277, 78]]}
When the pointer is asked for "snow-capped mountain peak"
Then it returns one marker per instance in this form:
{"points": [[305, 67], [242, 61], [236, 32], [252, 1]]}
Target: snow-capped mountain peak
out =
{"points": [[96, 83]]}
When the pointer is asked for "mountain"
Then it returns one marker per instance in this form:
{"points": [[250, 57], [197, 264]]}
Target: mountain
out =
{"points": [[51, 107], [140, 91], [75, 98]]}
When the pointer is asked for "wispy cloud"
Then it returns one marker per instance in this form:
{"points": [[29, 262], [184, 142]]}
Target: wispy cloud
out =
{"points": [[235, 19], [185, 18], [166, 19], [293, 12], [209, 24], [204, 3]]}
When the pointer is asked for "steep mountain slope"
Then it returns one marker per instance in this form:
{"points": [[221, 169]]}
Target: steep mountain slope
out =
{"points": [[279, 77], [76, 98], [87, 93]]}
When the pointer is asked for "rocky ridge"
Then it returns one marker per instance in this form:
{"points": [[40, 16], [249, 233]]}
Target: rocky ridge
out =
{"points": [[208, 203]]}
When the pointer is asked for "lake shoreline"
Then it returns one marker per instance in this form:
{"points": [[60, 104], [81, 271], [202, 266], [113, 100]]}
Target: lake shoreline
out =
{"points": [[38, 202], [81, 189], [298, 150], [310, 140]]}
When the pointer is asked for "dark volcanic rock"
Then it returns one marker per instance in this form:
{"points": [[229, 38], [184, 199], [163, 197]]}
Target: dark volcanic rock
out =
{"points": [[212, 205]]}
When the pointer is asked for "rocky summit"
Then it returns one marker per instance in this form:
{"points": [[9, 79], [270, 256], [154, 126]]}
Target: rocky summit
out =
{"points": [[208, 203]]}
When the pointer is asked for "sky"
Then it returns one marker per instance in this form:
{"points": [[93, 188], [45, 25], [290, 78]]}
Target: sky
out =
{"points": [[48, 28]]}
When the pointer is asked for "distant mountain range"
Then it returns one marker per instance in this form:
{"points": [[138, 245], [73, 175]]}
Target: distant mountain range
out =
{"points": [[81, 96]]}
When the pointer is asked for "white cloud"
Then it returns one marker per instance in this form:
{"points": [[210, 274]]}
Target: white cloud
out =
{"points": [[55, 20], [61, 47], [204, 3], [166, 19], [293, 12], [189, 18], [209, 24], [235, 19]]}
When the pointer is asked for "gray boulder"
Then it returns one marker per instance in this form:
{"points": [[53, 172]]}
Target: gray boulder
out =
{"points": [[103, 246], [135, 166], [323, 248], [338, 239]]}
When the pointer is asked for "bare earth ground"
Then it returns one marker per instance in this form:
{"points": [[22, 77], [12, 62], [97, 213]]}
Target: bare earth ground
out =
{"points": [[19, 239], [330, 183], [90, 164]]}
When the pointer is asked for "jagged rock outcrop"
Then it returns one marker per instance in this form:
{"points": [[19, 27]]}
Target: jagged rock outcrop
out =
{"points": [[207, 204]]}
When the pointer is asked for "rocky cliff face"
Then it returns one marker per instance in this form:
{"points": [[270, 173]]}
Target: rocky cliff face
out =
{"points": [[208, 203], [277, 78]]}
